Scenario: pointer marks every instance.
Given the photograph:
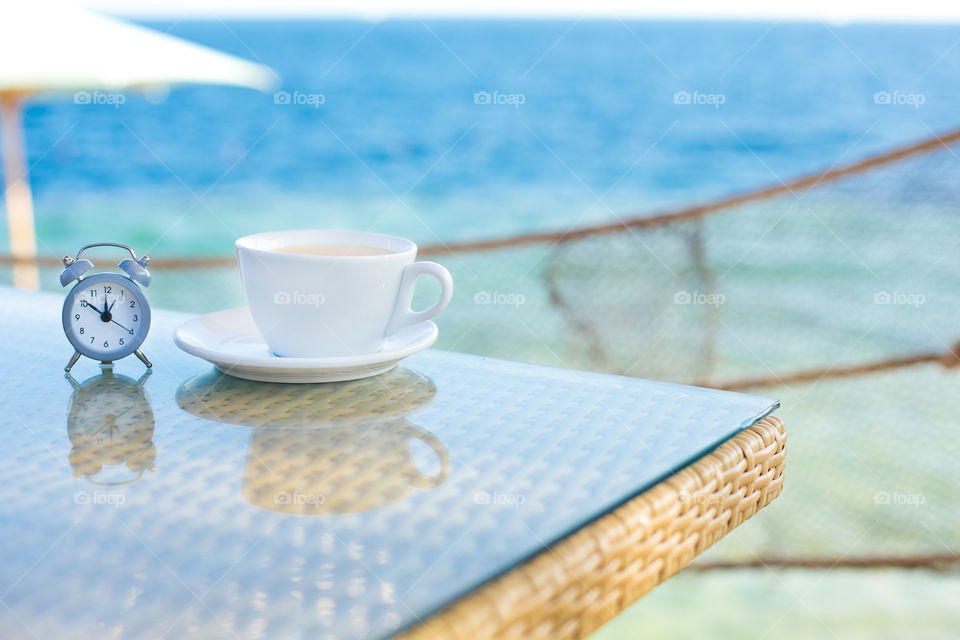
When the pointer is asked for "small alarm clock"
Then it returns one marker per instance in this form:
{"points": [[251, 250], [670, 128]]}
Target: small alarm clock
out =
{"points": [[106, 315]]}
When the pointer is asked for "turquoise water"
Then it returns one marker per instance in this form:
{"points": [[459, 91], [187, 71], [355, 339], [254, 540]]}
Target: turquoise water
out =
{"points": [[584, 126], [795, 605]]}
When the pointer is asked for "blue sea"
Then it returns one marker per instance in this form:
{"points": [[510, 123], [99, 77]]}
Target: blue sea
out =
{"points": [[456, 130]]}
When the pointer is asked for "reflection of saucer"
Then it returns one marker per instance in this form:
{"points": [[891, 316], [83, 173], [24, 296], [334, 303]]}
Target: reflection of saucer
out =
{"points": [[232, 343], [222, 398]]}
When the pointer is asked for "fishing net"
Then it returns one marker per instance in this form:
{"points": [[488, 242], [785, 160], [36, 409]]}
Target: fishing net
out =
{"points": [[839, 299]]}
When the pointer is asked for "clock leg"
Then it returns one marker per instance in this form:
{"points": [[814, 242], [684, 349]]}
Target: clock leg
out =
{"points": [[73, 383], [143, 358], [73, 361]]}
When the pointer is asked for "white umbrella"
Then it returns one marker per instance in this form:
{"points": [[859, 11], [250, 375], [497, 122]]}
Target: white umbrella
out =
{"points": [[52, 47]]}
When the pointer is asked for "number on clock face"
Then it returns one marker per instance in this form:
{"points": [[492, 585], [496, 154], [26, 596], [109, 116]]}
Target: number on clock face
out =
{"points": [[106, 317]]}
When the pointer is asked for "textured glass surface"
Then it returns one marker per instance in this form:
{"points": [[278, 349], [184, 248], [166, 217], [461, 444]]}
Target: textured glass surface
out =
{"points": [[193, 504]]}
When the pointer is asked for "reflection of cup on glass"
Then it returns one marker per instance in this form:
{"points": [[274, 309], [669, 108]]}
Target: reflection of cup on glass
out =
{"points": [[343, 471], [324, 448], [110, 423]]}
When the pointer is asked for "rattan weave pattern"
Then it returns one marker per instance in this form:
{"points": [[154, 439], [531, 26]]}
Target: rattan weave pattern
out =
{"points": [[583, 581]]}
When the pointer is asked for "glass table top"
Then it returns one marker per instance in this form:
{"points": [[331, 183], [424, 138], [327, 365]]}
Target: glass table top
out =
{"points": [[186, 503]]}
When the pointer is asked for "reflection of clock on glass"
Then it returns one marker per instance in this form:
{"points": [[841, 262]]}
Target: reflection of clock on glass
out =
{"points": [[106, 315], [111, 423]]}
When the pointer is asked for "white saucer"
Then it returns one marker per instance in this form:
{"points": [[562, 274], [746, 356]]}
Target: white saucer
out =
{"points": [[232, 343]]}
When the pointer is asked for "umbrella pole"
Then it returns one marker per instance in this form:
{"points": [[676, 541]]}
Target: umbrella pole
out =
{"points": [[23, 241]]}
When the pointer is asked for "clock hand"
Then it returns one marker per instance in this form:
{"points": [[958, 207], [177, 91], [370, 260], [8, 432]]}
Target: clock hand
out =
{"points": [[122, 327], [94, 434], [99, 312], [105, 312]]}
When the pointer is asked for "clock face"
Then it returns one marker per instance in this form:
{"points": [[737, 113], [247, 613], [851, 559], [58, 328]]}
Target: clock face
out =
{"points": [[112, 414], [110, 423], [106, 316]]}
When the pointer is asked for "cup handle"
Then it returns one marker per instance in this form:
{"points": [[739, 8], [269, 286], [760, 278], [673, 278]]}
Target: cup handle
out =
{"points": [[403, 316], [429, 482]]}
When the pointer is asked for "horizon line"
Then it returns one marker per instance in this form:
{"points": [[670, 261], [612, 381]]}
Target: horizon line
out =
{"points": [[945, 22], [812, 11]]}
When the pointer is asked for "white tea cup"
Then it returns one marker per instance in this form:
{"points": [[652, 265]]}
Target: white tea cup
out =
{"points": [[324, 293]]}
